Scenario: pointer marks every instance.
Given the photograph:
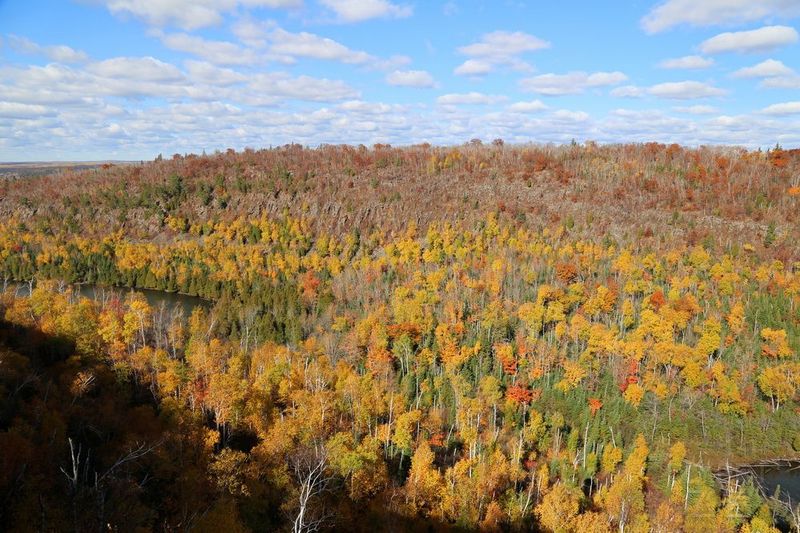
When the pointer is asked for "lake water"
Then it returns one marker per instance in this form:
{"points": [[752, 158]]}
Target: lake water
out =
{"points": [[785, 476], [170, 300]]}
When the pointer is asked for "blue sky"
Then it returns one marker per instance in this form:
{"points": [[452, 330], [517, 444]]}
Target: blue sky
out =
{"points": [[129, 79]]}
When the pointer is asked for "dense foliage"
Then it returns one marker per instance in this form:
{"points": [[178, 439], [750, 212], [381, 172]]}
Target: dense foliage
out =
{"points": [[506, 338]]}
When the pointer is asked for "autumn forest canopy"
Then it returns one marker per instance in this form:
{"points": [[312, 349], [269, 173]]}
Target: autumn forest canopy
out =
{"points": [[477, 337]]}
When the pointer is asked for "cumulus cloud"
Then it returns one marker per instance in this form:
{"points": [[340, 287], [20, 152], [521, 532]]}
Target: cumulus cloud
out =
{"points": [[135, 78], [122, 77], [627, 91], [765, 69], [570, 83], [216, 52], [60, 53], [711, 12], [306, 44], [533, 106], [136, 68], [697, 109], [23, 111], [361, 10], [773, 73], [207, 73], [410, 78], [301, 87], [502, 44], [785, 108], [498, 48], [471, 98], [685, 90], [570, 116], [751, 41], [187, 14], [286, 47], [781, 82], [687, 62], [473, 67], [186, 127]]}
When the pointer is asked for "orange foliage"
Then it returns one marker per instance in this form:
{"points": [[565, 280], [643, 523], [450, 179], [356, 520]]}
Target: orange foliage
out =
{"points": [[519, 394], [594, 405], [566, 272], [657, 299]]}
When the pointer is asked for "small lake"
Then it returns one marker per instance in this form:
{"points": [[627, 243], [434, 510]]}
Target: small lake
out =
{"points": [[786, 476], [769, 476], [169, 300]]}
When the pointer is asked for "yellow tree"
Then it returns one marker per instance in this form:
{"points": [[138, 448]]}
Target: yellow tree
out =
{"points": [[558, 508], [424, 485], [624, 501], [779, 383]]}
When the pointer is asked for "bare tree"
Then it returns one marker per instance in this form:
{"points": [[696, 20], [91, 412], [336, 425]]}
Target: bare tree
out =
{"points": [[308, 467], [95, 488], [247, 320]]}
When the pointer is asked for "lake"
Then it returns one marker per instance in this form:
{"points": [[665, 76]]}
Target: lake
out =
{"points": [[98, 293], [786, 476]]}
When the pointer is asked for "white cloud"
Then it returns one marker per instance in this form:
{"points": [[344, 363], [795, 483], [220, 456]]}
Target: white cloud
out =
{"points": [[59, 53], [410, 78], [473, 67], [766, 69], [685, 90], [711, 12], [190, 127], [697, 110], [627, 91], [370, 108], [570, 83], [781, 82], [187, 14], [216, 52], [251, 31], [205, 72], [751, 41], [687, 62], [285, 47], [601, 79], [360, 10], [527, 107], [306, 44], [503, 44], [306, 88], [786, 108], [571, 116], [23, 111], [472, 98], [136, 68], [148, 78], [60, 85], [498, 48]]}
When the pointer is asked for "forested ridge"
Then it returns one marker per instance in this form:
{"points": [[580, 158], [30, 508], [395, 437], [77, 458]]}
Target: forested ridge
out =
{"points": [[492, 337]]}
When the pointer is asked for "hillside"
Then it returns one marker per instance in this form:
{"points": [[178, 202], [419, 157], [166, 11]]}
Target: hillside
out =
{"points": [[508, 338], [619, 190]]}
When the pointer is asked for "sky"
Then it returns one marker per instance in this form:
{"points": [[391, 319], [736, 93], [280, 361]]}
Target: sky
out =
{"points": [[132, 79]]}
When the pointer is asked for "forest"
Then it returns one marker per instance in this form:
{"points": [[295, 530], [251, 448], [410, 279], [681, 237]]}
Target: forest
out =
{"points": [[477, 337]]}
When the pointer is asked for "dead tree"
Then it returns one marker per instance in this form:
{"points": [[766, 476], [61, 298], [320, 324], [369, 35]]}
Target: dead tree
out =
{"points": [[308, 466]]}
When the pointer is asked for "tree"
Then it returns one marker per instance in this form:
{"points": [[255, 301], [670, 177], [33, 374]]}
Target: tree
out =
{"points": [[308, 468], [424, 484], [558, 508], [624, 501], [779, 383]]}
